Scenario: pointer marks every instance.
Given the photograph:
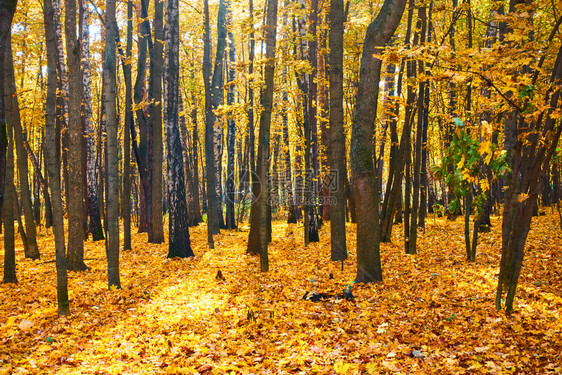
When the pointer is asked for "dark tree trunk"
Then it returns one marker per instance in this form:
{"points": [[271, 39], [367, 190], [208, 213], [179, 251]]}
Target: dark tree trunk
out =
{"points": [[31, 249], [290, 201], [75, 205], [194, 183], [213, 205], [310, 135], [52, 161], [143, 151], [265, 126], [7, 10], [179, 244], [378, 35], [336, 145], [129, 124], [155, 111], [417, 166], [230, 137], [110, 89], [529, 159]]}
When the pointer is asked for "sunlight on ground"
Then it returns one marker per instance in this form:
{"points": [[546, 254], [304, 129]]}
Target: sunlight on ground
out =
{"points": [[434, 312]]}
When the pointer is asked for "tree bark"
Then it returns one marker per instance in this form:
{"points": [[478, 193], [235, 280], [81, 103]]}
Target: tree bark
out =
{"points": [[212, 199], [336, 151], [51, 159], [378, 34], [31, 249], [93, 212], [110, 89], [262, 166], [231, 136], [179, 244], [75, 206], [155, 110], [7, 10], [129, 124]]}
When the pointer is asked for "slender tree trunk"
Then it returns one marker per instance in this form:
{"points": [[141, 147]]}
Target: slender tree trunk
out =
{"points": [[7, 10], [13, 117], [265, 126], [230, 137], [143, 150], [51, 159], [75, 206], [194, 183], [290, 201], [310, 135], [155, 110], [179, 243], [336, 150], [417, 166], [94, 218], [529, 159], [110, 89], [212, 199], [129, 124], [217, 94]]}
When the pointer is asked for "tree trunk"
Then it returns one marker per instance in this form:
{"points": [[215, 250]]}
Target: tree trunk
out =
{"points": [[310, 134], [230, 137], [378, 34], [94, 218], [398, 156], [155, 111], [110, 89], [129, 124], [417, 166], [7, 10], [217, 94], [143, 150], [529, 159], [290, 201], [13, 117], [265, 126], [336, 150], [178, 244], [212, 199], [75, 206], [51, 159]]}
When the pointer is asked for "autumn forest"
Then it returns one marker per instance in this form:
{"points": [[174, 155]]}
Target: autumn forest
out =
{"points": [[265, 186]]}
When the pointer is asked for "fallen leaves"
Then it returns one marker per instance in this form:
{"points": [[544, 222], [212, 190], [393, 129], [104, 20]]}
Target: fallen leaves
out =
{"points": [[217, 314]]}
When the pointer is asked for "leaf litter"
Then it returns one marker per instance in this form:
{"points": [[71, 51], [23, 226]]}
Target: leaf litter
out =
{"points": [[217, 314]]}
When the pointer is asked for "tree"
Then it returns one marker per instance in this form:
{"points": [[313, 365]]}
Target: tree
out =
{"points": [[179, 243], [13, 117], [129, 124], [262, 166], [231, 134], [531, 153], [89, 147], [52, 160], [155, 111], [75, 195], [336, 145], [110, 90], [366, 194], [7, 10]]}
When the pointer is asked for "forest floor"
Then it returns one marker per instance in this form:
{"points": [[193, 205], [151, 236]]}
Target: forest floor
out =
{"points": [[434, 312]]}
